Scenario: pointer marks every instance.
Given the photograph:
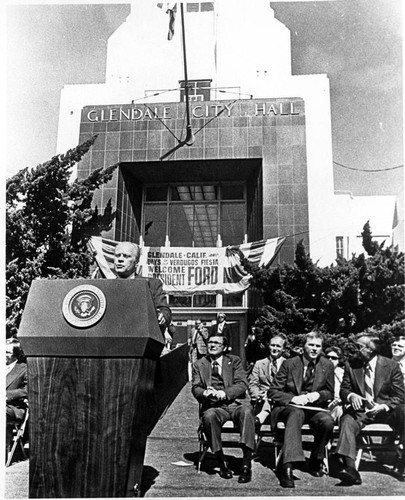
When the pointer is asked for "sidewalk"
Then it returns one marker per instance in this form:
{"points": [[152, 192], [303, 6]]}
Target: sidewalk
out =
{"points": [[170, 471]]}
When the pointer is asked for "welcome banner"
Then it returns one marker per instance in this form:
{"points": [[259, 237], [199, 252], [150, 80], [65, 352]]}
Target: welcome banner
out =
{"points": [[184, 270], [189, 270]]}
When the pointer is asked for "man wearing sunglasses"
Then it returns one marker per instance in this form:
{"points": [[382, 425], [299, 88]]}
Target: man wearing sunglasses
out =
{"points": [[335, 355], [373, 390], [219, 384]]}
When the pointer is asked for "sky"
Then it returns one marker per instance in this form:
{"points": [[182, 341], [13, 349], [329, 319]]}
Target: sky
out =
{"points": [[357, 43]]}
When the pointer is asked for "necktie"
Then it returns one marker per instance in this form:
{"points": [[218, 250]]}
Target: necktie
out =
{"points": [[273, 369], [368, 384], [310, 371], [215, 370], [309, 376]]}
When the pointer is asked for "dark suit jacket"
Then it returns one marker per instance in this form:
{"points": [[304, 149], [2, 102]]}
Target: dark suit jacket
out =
{"points": [[158, 297], [388, 382], [225, 330], [288, 382], [16, 389], [234, 377]]}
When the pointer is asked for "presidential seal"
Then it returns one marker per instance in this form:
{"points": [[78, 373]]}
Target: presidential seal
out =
{"points": [[84, 306]]}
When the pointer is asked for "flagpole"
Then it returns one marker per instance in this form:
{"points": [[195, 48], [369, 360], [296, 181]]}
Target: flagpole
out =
{"points": [[189, 134]]}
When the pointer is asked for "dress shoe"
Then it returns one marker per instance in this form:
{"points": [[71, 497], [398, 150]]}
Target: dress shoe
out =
{"points": [[349, 475], [246, 475], [400, 475], [315, 467], [399, 468], [225, 472], [286, 477]]}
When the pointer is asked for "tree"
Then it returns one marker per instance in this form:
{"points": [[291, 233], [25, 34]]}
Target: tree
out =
{"points": [[370, 246], [48, 223], [351, 296]]}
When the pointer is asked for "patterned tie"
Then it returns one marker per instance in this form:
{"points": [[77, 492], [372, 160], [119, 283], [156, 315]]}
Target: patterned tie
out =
{"points": [[215, 370], [273, 369], [368, 383]]}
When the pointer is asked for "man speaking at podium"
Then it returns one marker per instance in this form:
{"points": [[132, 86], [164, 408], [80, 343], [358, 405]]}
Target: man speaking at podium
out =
{"points": [[126, 257]]}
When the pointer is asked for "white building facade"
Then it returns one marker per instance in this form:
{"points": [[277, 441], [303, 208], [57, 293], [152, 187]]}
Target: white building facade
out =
{"points": [[261, 163]]}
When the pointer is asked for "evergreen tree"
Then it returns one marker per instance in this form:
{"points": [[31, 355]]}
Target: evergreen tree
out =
{"points": [[48, 223], [360, 294], [370, 246]]}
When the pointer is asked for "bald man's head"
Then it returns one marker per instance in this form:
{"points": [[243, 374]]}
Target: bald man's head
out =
{"points": [[126, 257]]}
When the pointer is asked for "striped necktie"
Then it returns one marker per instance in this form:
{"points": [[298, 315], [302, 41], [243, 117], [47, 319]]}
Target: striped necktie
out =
{"points": [[368, 383], [273, 369]]}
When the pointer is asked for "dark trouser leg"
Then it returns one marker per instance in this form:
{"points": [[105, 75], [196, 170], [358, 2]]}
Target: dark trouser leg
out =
{"points": [[292, 447], [397, 421], [349, 430], [350, 427], [213, 420], [321, 424], [242, 415]]}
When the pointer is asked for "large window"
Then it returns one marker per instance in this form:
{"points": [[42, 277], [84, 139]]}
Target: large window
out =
{"points": [[339, 247], [197, 215], [194, 215]]}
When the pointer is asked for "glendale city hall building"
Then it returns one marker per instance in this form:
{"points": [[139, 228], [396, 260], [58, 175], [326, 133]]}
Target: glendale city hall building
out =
{"points": [[261, 163]]}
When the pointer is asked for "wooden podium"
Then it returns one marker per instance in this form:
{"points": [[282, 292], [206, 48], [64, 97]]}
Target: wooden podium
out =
{"points": [[93, 348]]}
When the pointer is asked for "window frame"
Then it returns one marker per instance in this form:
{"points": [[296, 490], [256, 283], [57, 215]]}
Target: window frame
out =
{"points": [[219, 202], [340, 247]]}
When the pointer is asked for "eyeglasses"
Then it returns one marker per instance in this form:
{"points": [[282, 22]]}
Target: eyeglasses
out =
{"points": [[362, 347], [332, 357], [214, 343]]}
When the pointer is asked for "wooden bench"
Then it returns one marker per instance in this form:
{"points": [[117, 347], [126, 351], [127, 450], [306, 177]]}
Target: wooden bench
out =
{"points": [[277, 440], [376, 437], [372, 438]]}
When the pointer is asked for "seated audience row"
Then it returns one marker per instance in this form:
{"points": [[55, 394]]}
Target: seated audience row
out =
{"points": [[310, 388]]}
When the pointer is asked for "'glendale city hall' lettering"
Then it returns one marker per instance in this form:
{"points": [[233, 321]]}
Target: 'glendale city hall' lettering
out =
{"points": [[197, 111]]}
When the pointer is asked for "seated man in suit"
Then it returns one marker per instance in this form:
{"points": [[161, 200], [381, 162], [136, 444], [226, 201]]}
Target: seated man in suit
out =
{"points": [[398, 353], [16, 385], [262, 376], [304, 380], [373, 389], [126, 258], [219, 384]]}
